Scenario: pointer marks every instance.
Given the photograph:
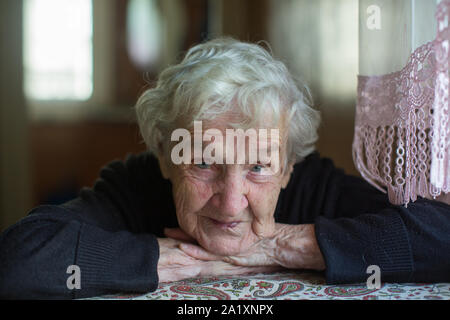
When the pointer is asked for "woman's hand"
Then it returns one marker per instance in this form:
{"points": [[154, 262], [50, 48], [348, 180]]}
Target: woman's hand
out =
{"points": [[291, 246], [174, 264]]}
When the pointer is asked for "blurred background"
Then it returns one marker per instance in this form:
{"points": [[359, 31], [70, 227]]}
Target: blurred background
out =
{"points": [[71, 71]]}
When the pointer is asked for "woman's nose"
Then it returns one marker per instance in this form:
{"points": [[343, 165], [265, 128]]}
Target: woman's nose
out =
{"points": [[231, 199]]}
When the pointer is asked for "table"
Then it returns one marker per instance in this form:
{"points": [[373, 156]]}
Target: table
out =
{"points": [[285, 286]]}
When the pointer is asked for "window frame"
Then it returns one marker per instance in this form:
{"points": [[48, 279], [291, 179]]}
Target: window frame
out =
{"points": [[100, 102]]}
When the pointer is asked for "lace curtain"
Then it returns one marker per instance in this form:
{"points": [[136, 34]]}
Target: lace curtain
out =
{"points": [[402, 128]]}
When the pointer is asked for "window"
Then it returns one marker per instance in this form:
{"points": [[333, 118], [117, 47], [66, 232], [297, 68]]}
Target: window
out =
{"points": [[144, 33], [86, 59], [58, 50]]}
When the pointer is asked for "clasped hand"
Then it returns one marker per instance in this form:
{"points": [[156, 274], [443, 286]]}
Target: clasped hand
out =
{"points": [[289, 246]]}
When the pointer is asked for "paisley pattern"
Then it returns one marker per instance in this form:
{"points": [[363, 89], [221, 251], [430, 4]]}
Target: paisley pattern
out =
{"points": [[200, 291], [348, 291], [285, 286]]}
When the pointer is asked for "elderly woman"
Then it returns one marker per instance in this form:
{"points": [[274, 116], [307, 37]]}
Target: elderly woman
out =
{"points": [[198, 204]]}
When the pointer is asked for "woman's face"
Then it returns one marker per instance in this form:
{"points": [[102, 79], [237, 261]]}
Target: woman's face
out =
{"points": [[222, 205]]}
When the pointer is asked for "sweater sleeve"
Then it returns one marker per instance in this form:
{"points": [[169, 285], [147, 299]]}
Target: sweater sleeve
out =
{"points": [[356, 226], [106, 232], [409, 244]]}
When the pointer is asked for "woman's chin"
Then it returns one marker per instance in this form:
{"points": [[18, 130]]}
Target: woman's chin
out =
{"points": [[225, 245], [224, 240], [223, 250]]}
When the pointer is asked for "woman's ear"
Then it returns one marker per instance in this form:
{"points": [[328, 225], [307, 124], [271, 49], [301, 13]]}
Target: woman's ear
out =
{"points": [[287, 175]]}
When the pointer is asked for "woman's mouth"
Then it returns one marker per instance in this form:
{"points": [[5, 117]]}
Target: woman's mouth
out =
{"points": [[225, 225]]}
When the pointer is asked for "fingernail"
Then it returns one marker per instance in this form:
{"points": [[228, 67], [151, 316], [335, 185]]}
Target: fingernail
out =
{"points": [[185, 246], [227, 260]]}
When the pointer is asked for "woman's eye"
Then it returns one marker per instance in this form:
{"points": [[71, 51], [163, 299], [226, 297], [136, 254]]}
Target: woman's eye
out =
{"points": [[203, 165], [256, 168]]}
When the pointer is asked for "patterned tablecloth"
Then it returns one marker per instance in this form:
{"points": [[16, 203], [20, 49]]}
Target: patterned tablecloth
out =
{"points": [[285, 286]]}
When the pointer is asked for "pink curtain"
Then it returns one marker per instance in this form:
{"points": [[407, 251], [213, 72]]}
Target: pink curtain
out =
{"points": [[402, 129]]}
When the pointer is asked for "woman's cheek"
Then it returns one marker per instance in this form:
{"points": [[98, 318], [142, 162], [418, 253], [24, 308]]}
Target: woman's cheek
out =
{"points": [[263, 198], [190, 197], [199, 192]]}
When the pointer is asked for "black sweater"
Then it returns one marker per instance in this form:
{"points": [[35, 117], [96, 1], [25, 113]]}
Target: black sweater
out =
{"points": [[110, 232]]}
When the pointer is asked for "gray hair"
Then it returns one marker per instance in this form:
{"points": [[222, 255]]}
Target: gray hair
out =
{"points": [[222, 74]]}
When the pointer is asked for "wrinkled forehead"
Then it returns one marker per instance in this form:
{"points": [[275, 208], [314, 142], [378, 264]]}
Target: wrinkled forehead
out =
{"points": [[255, 135]]}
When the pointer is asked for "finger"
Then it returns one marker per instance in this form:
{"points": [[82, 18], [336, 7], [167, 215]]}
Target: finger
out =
{"points": [[167, 243], [254, 260], [178, 234], [217, 268], [198, 253], [238, 261], [168, 273], [254, 270]]}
